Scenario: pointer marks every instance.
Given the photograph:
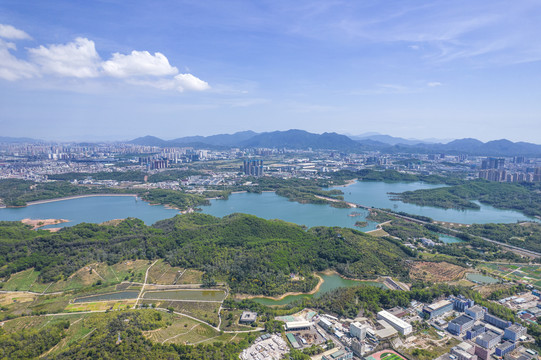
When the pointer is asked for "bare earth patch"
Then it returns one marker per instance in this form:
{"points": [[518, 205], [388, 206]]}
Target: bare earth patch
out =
{"points": [[436, 271], [37, 223]]}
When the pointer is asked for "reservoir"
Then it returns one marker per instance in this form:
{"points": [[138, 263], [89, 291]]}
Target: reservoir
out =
{"points": [[376, 194], [330, 282], [96, 209], [267, 205]]}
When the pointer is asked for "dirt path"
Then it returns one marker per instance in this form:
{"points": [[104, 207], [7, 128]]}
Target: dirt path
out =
{"points": [[144, 284], [177, 335]]}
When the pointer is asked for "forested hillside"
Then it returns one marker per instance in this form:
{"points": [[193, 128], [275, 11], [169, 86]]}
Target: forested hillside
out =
{"points": [[253, 255]]}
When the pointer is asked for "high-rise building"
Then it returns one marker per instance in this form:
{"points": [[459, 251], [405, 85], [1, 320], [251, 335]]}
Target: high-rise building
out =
{"points": [[492, 163], [253, 167]]}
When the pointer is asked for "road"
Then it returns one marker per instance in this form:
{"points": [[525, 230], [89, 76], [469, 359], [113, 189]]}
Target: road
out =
{"points": [[517, 249], [504, 245]]}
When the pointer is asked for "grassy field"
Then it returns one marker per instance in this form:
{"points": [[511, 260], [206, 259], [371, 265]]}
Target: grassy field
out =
{"points": [[204, 311], [208, 295], [187, 331]]}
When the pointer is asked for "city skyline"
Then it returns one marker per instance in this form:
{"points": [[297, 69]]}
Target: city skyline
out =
{"points": [[109, 71]]}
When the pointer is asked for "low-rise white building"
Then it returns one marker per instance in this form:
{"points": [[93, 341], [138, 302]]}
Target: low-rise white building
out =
{"points": [[400, 325]]}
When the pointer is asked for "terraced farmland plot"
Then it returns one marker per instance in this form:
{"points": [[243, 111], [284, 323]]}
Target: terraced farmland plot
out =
{"points": [[24, 281], [100, 305], [206, 311], [162, 273], [191, 276], [436, 271], [186, 295], [120, 295]]}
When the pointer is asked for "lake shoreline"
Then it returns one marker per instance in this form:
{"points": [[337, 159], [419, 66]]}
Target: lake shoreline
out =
{"points": [[37, 202], [328, 272]]}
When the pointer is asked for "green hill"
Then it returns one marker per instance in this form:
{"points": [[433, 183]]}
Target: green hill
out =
{"points": [[251, 254]]}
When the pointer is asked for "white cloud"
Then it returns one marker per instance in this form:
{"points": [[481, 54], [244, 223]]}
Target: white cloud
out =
{"points": [[434, 84], [189, 82], [12, 33], [75, 59], [138, 63], [79, 59], [181, 82], [11, 68]]}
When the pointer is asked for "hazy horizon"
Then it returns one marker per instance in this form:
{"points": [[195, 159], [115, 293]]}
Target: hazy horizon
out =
{"points": [[110, 70]]}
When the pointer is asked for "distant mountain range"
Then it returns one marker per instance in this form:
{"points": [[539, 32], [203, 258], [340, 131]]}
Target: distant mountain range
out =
{"points": [[300, 139], [14, 140]]}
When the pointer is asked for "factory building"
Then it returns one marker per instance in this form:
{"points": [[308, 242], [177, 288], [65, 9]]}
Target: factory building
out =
{"points": [[504, 348], [438, 308], [400, 325], [461, 303], [464, 351], [460, 324], [475, 331], [514, 332], [496, 321], [297, 325], [477, 312], [325, 324]]}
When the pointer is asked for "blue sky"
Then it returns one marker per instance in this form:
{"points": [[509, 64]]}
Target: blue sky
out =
{"points": [[113, 69]]}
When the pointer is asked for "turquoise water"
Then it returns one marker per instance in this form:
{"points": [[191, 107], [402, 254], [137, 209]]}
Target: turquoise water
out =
{"points": [[482, 279], [267, 205], [330, 282], [375, 194], [271, 206], [95, 209], [448, 239]]}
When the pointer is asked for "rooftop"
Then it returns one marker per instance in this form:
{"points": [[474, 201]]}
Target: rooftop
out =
{"points": [[461, 320], [248, 316], [438, 304], [515, 328], [488, 336], [476, 308]]}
